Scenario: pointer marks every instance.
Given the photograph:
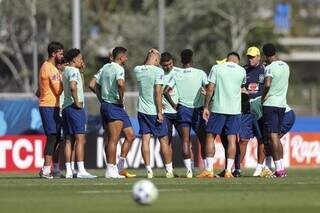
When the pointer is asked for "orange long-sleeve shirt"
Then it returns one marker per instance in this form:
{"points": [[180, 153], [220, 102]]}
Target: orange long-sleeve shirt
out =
{"points": [[50, 85]]}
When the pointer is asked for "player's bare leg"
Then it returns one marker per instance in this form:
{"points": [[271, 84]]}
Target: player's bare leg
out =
{"points": [[166, 152], [185, 138], [231, 153], [125, 148], [210, 151], [114, 131], [80, 141], [145, 150]]}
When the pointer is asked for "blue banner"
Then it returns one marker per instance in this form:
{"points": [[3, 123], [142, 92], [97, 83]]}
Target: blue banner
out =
{"points": [[21, 116]]}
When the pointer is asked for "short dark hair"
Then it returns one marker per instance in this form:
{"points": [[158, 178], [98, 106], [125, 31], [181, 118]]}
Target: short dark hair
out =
{"points": [[117, 51], [166, 56], [71, 54], [269, 50], [233, 54], [53, 47], [186, 56]]}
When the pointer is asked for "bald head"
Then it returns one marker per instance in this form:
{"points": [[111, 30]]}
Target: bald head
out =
{"points": [[153, 57]]}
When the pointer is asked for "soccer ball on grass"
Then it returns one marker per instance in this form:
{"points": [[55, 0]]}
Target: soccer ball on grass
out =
{"points": [[144, 192]]}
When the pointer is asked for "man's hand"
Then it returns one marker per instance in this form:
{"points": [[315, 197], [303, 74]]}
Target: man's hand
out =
{"points": [[83, 67], [206, 114], [121, 102], [78, 105], [160, 117]]}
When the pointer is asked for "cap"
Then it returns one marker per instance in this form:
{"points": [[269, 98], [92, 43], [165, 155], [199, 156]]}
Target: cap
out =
{"points": [[222, 61], [253, 51]]}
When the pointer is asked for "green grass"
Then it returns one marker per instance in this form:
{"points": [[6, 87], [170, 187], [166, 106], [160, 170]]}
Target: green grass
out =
{"points": [[299, 192]]}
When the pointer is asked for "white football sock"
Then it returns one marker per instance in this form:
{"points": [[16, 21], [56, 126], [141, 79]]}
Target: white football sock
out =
{"points": [[282, 164], [46, 170], [187, 164], [81, 168], [229, 164], [205, 162], [68, 168], [209, 166], [169, 167], [115, 169], [73, 166], [148, 167], [259, 167], [278, 166], [110, 169]]}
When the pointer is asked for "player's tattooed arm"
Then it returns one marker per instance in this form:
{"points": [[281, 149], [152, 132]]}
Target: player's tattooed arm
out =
{"points": [[167, 96], [158, 97]]}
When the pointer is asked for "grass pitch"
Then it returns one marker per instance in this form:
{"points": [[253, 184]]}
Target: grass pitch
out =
{"points": [[299, 192]]}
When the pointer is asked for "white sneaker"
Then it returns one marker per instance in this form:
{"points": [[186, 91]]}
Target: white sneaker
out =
{"points": [[45, 176], [150, 174], [257, 172], [189, 174], [69, 175], [113, 176], [86, 175]]}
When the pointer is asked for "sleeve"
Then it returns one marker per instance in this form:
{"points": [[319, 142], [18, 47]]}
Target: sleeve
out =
{"points": [[244, 81], [74, 75], [268, 72], [171, 82], [97, 76], [159, 76], [120, 74], [212, 75], [204, 79]]}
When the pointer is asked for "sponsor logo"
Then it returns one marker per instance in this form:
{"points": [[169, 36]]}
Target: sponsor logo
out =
{"points": [[253, 87], [21, 153], [261, 78]]}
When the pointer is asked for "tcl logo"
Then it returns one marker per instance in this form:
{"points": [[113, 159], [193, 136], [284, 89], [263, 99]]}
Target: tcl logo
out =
{"points": [[21, 153]]}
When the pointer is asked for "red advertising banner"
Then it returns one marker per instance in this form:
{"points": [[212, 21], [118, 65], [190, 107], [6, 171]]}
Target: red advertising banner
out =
{"points": [[21, 153]]}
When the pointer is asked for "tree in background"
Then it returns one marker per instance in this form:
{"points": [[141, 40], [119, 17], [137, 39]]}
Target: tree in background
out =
{"points": [[210, 27]]}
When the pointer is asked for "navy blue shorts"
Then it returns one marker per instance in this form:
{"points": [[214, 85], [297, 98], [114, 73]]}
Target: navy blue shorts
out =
{"points": [[190, 117], [111, 112], [74, 120], [288, 121], [51, 120], [149, 125], [229, 123], [249, 127], [273, 118], [171, 120]]}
